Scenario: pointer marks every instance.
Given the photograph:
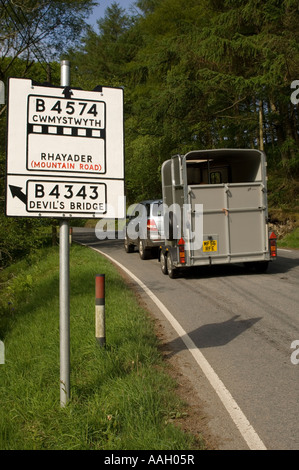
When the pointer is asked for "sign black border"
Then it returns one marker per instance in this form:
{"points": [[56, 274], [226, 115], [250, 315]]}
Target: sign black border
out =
{"points": [[57, 171], [98, 89], [66, 182]]}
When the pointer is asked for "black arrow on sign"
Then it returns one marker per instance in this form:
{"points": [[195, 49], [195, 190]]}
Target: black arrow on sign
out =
{"points": [[16, 191], [67, 92]]}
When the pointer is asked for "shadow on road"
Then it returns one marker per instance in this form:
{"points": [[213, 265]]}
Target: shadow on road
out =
{"points": [[211, 335]]}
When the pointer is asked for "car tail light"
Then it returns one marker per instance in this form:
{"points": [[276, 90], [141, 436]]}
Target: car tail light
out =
{"points": [[151, 226], [273, 245], [182, 251]]}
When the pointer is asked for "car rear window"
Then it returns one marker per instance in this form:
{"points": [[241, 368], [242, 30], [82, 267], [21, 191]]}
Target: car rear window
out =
{"points": [[157, 209]]}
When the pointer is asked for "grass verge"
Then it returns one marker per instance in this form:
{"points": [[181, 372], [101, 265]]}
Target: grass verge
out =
{"points": [[121, 396], [283, 192], [291, 240]]}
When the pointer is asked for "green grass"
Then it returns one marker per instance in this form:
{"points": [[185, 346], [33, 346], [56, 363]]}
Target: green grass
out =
{"points": [[290, 241], [121, 395], [283, 191]]}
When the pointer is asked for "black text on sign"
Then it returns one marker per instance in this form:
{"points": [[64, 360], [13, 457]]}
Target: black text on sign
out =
{"points": [[71, 197]]}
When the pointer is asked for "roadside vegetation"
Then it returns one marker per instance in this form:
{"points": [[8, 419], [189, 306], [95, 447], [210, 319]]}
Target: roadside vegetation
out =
{"points": [[291, 240], [121, 396], [284, 209]]}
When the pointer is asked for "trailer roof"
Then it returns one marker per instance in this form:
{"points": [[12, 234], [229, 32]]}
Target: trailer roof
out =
{"points": [[201, 155]]}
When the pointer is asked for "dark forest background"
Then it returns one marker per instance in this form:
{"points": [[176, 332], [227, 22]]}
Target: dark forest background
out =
{"points": [[196, 74]]}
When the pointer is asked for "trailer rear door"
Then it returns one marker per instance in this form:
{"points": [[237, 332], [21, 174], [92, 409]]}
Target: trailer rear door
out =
{"points": [[234, 222]]}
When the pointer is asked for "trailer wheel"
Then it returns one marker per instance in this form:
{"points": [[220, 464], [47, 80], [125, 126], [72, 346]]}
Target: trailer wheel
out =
{"points": [[258, 267], [172, 271], [261, 267], [163, 263]]}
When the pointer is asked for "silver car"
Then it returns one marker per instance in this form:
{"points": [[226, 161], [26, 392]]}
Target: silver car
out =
{"points": [[144, 228]]}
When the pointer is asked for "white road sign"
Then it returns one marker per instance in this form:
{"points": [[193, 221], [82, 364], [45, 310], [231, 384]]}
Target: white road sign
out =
{"points": [[65, 151]]}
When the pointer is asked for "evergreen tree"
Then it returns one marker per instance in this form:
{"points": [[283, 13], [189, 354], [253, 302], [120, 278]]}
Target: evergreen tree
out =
{"points": [[200, 74], [103, 54]]}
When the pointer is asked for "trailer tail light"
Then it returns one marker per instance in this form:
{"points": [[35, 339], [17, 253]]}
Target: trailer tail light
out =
{"points": [[273, 245], [181, 245]]}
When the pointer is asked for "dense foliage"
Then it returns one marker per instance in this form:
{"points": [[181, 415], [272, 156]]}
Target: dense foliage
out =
{"points": [[32, 34], [196, 74]]}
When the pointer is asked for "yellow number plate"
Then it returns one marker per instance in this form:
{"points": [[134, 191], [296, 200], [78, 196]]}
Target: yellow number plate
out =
{"points": [[209, 246]]}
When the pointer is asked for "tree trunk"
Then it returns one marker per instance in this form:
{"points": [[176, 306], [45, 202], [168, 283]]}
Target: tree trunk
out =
{"points": [[261, 126]]}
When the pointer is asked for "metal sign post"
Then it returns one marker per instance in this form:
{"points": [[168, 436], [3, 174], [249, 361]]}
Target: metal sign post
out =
{"points": [[64, 318], [64, 287], [2, 101]]}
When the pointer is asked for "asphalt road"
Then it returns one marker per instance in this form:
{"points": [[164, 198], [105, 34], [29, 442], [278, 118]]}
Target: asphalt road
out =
{"points": [[244, 325]]}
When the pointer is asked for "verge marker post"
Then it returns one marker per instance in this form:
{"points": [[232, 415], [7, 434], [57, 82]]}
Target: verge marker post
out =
{"points": [[100, 309]]}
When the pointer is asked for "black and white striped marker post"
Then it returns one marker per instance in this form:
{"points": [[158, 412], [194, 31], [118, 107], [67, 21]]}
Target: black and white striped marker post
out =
{"points": [[100, 309]]}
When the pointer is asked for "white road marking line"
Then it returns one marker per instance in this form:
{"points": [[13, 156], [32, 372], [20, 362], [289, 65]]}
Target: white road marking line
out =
{"points": [[247, 431]]}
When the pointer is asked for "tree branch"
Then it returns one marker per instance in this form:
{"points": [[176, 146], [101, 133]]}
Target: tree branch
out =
{"points": [[229, 107]]}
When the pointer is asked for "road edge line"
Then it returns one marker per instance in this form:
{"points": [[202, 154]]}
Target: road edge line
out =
{"points": [[243, 425]]}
